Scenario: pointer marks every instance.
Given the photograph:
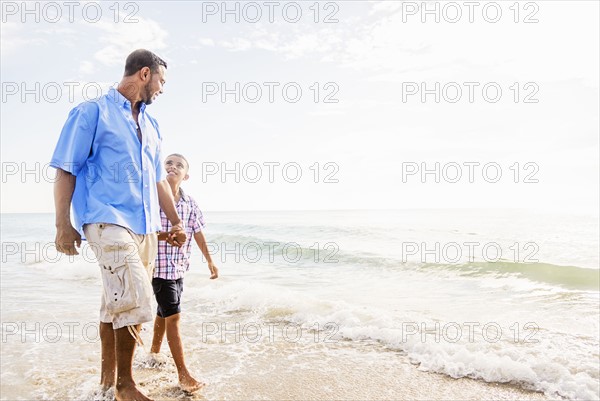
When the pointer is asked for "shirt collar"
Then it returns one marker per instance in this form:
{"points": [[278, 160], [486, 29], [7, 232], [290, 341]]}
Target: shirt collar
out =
{"points": [[121, 100], [183, 196]]}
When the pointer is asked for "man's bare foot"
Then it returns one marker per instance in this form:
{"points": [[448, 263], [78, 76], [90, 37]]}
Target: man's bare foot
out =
{"points": [[129, 393], [156, 360], [104, 393], [107, 379], [189, 384]]}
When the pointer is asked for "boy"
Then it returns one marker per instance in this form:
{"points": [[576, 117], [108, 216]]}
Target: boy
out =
{"points": [[171, 264]]}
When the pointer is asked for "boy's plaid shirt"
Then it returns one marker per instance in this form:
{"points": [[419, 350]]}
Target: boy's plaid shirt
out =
{"points": [[172, 262]]}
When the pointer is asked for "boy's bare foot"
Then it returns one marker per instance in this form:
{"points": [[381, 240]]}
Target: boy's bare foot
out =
{"points": [[189, 384], [129, 393]]}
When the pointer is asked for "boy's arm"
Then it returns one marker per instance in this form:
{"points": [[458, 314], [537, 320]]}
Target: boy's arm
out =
{"points": [[201, 241]]}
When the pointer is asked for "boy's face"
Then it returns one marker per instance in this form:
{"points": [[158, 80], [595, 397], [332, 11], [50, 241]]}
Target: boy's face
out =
{"points": [[177, 169]]}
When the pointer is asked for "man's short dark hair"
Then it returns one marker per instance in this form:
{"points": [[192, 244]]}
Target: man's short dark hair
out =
{"points": [[143, 58]]}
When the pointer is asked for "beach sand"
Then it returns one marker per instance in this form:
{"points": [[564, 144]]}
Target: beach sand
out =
{"points": [[340, 371], [303, 370]]}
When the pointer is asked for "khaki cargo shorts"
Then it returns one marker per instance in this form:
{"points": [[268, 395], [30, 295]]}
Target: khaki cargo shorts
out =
{"points": [[126, 263]]}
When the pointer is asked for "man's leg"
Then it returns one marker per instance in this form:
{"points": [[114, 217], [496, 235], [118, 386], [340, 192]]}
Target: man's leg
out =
{"points": [[125, 347], [186, 381], [159, 334], [109, 362], [117, 251], [107, 335]]}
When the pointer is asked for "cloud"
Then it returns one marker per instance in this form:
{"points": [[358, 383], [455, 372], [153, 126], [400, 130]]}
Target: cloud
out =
{"points": [[388, 45], [122, 39], [382, 42], [237, 44], [86, 67], [13, 38], [385, 6], [294, 44], [206, 42]]}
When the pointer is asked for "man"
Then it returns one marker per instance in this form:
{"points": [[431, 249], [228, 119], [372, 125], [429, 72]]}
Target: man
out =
{"points": [[108, 161]]}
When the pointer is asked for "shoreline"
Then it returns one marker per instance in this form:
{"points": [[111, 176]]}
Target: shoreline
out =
{"points": [[342, 371]]}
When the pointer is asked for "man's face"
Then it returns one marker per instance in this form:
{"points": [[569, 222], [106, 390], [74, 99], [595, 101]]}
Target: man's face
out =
{"points": [[154, 86], [177, 169]]}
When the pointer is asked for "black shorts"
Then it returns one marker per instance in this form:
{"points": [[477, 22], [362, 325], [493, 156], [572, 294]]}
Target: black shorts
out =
{"points": [[168, 296]]}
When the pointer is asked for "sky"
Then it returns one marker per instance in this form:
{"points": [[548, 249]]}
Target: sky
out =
{"points": [[324, 105]]}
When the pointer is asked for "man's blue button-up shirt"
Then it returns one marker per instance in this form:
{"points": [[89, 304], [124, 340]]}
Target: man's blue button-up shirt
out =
{"points": [[116, 175]]}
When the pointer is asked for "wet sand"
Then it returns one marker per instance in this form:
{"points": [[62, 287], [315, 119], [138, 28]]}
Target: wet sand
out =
{"points": [[342, 371]]}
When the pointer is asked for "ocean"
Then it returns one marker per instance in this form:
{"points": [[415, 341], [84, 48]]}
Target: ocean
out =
{"points": [[397, 304]]}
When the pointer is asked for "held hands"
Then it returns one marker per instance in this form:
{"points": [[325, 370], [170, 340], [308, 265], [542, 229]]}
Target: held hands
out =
{"points": [[66, 237], [176, 237]]}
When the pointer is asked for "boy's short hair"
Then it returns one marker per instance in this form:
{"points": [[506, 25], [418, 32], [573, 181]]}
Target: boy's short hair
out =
{"points": [[181, 156]]}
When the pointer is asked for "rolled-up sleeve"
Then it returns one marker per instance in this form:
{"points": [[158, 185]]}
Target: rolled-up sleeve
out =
{"points": [[160, 170], [161, 174], [75, 141]]}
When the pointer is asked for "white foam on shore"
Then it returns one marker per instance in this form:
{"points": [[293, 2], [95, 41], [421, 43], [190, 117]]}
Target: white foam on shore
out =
{"points": [[559, 364]]}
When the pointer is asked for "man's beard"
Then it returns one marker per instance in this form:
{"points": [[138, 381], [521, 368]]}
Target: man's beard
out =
{"points": [[147, 94]]}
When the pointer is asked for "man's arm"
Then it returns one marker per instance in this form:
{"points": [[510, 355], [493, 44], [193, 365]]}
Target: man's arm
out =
{"points": [[167, 204], [201, 241], [66, 235]]}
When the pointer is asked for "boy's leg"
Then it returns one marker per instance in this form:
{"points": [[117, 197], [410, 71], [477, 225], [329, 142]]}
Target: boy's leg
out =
{"points": [[175, 344], [168, 296], [187, 382], [109, 361], [163, 299], [159, 334], [125, 347]]}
